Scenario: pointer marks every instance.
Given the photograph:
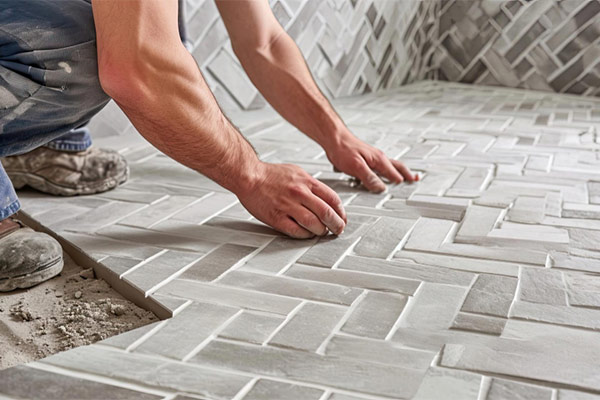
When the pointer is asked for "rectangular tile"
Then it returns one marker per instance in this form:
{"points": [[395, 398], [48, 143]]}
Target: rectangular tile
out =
{"points": [[309, 290], [229, 296], [309, 327], [278, 254], [378, 351], [382, 237], [434, 307], [491, 295], [217, 262], [407, 270], [149, 371], [375, 315], [180, 335], [306, 367], [354, 279], [542, 285]]}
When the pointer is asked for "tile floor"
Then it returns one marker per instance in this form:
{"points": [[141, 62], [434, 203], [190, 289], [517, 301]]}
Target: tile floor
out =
{"points": [[480, 282]]}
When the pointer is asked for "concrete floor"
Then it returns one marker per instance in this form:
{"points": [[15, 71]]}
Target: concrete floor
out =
{"points": [[480, 282]]}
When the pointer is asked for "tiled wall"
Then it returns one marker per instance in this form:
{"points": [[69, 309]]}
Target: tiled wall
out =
{"points": [[541, 44], [351, 46], [358, 46]]}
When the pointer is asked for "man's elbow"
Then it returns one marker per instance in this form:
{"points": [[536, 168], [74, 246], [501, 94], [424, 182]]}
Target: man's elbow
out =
{"points": [[123, 82]]}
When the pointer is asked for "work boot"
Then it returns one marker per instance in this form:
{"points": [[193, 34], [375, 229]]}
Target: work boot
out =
{"points": [[67, 173], [26, 257]]}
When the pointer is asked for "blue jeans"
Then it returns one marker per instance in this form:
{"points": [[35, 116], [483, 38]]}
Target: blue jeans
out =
{"points": [[49, 87]]}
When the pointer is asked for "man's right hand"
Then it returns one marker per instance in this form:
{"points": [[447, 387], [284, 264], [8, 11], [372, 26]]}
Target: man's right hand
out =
{"points": [[287, 198]]}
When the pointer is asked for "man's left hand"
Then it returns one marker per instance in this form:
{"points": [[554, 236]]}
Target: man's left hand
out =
{"points": [[367, 163]]}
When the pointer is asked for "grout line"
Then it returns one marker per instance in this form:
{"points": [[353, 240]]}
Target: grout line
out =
{"points": [[170, 278], [142, 263], [345, 253], [245, 390], [287, 319], [321, 349], [404, 313], [212, 336]]}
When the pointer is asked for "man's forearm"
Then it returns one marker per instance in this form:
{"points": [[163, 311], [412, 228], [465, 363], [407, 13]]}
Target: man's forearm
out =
{"points": [[177, 113], [280, 73]]}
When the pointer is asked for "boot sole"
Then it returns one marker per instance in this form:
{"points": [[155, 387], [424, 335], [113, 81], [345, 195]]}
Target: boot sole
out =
{"points": [[32, 279], [22, 179]]}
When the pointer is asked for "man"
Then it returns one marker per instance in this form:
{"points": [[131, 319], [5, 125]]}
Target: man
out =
{"points": [[56, 71]]}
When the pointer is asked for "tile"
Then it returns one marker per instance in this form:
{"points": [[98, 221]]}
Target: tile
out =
{"points": [[196, 323], [278, 254], [449, 384], [378, 351], [491, 295], [309, 327], [428, 234], [563, 315], [214, 264], [27, 382], [505, 389], [354, 279], [306, 367], [383, 237], [252, 328], [409, 271], [375, 315], [157, 270], [478, 323], [266, 389], [99, 217], [434, 307], [308, 290], [527, 210], [158, 211], [542, 285], [229, 296], [206, 208], [149, 371]]}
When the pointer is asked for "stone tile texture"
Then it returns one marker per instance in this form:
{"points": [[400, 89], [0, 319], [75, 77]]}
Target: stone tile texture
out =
{"points": [[482, 281]]}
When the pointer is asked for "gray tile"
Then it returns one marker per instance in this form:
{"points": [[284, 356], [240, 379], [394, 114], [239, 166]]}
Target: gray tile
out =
{"points": [[491, 294], [149, 371], [252, 328], [309, 290], [265, 390], [354, 279], [193, 325], [26, 382], [383, 237], [311, 368], [309, 327], [375, 315], [217, 262]]}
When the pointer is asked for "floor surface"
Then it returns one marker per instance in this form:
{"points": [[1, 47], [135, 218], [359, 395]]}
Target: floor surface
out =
{"points": [[482, 281]]}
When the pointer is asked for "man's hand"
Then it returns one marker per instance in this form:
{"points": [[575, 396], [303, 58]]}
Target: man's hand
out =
{"points": [[285, 197], [356, 158]]}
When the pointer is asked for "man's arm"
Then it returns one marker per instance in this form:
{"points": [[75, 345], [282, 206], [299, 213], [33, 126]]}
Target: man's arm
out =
{"points": [[276, 67], [145, 68]]}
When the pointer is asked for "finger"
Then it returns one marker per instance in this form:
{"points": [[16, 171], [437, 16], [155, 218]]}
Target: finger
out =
{"points": [[387, 169], [405, 171], [368, 178], [308, 220], [326, 214], [331, 198], [291, 228]]}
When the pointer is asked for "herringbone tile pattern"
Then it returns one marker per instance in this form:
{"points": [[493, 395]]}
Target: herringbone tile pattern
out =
{"points": [[543, 45], [351, 47], [482, 281]]}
